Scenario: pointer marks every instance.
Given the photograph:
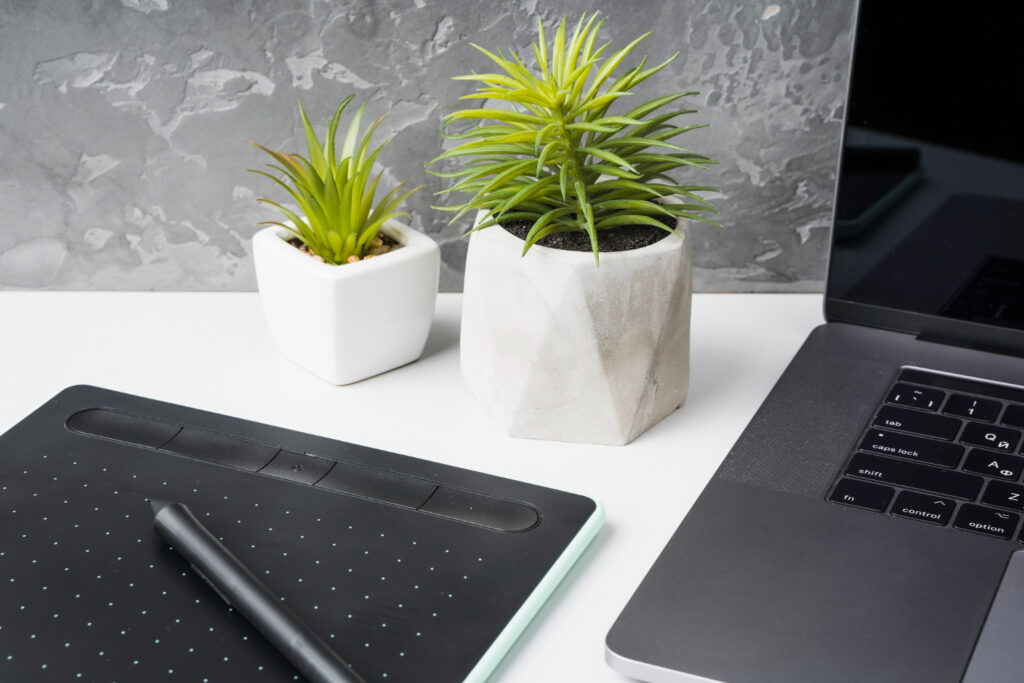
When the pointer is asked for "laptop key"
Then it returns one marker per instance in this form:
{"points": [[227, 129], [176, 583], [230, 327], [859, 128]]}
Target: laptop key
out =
{"points": [[1004, 495], [914, 475], [910, 447], [923, 507], [917, 397], [861, 494], [994, 464], [990, 436], [985, 521], [1014, 416], [927, 424], [975, 408]]}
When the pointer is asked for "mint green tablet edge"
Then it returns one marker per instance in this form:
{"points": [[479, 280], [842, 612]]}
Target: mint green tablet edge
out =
{"points": [[519, 621]]}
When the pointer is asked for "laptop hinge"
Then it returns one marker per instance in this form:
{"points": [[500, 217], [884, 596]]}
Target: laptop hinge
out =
{"points": [[954, 340]]}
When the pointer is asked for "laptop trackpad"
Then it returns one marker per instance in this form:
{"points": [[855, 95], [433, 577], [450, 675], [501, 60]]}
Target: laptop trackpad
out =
{"points": [[998, 656]]}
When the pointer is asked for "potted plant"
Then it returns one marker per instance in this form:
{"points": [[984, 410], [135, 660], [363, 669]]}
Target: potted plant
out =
{"points": [[593, 345], [348, 292]]}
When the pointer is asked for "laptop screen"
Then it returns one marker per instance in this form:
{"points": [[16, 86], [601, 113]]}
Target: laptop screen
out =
{"points": [[928, 234]]}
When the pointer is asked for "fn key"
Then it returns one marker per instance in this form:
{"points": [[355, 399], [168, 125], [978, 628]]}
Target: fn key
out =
{"points": [[861, 494]]}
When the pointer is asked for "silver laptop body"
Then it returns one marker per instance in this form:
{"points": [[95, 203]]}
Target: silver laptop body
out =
{"points": [[867, 525]]}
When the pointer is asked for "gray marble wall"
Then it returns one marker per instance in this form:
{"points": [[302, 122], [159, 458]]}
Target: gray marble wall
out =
{"points": [[123, 124]]}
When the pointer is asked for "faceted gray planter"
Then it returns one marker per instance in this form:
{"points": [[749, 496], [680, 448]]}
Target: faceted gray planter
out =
{"points": [[556, 348]]}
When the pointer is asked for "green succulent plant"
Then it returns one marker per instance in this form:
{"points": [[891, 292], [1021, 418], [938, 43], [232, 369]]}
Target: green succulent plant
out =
{"points": [[335, 194], [555, 156]]}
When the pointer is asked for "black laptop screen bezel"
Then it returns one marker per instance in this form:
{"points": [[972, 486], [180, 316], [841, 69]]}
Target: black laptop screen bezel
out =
{"points": [[927, 326]]}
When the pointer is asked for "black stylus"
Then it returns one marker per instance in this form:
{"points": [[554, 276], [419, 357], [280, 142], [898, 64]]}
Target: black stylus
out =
{"points": [[240, 588]]}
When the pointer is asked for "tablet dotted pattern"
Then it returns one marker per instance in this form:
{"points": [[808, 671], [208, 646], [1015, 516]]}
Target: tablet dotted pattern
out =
{"points": [[93, 594]]}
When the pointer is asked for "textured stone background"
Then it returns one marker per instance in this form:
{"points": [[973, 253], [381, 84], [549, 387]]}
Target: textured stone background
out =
{"points": [[123, 123]]}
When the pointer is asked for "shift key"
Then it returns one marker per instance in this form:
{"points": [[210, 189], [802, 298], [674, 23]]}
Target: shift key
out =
{"points": [[914, 475], [927, 424]]}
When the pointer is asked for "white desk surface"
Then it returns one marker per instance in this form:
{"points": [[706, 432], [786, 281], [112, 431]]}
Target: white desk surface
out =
{"points": [[213, 351]]}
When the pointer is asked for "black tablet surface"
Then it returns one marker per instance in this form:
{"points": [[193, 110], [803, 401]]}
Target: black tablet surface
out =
{"points": [[411, 570]]}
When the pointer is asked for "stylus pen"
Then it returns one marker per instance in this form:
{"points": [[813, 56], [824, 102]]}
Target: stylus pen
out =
{"points": [[240, 588]]}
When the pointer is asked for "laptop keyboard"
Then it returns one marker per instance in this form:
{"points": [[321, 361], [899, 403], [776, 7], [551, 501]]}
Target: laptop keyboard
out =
{"points": [[942, 450]]}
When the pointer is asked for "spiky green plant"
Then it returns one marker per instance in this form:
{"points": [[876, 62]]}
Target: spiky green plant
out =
{"points": [[555, 156], [335, 194]]}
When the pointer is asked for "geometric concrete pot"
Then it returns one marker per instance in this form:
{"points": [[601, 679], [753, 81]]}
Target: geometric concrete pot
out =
{"points": [[556, 348], [349, 322]]}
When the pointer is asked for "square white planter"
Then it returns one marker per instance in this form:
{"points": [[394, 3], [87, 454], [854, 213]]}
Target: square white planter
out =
{"points": [[346, 323]]}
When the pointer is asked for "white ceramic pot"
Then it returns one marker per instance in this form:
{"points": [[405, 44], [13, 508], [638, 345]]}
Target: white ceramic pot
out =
{"points": [[556, 348], [346, 323]]}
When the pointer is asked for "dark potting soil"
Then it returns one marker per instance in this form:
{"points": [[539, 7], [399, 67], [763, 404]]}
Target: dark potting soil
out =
{"points": [[622, 238]]}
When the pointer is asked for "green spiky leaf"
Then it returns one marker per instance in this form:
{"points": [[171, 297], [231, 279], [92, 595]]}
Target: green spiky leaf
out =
{"points": [[338, 212], [547, 149]]}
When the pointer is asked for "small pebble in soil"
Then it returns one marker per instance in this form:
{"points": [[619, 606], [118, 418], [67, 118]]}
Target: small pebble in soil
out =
{"points": [[381, 244]]}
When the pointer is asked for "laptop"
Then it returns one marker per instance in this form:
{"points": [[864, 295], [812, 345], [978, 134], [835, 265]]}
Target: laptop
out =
{"points": [[868, 525]]}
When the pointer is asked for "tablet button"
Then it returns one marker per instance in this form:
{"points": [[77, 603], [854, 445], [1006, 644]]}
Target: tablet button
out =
{"points": [[122, 427], [305, 469], [475, 508], [375, 484], [220, 448]]}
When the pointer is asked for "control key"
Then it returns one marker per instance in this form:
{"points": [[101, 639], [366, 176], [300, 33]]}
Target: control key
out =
{"points": [[923, 507]]}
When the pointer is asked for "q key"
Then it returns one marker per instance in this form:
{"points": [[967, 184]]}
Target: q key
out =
{"points": [[992, 437]]}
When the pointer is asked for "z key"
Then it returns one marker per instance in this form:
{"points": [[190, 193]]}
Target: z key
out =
{"points": [[1004, 495]]}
